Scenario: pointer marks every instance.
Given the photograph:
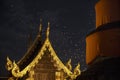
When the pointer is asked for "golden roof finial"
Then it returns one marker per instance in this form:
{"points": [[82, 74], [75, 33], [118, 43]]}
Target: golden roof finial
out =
{"points": [[68, 65], [77, 70], [48, 30], [9, 64], [40, 27]]}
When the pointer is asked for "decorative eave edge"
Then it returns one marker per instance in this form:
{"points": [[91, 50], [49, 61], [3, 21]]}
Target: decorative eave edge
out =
{"points": [[15, 70], [60, 65]]}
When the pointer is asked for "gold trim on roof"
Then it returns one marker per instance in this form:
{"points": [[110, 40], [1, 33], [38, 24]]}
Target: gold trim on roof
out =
{"points": [[9, 64], [77, 70], [16, 72], [68, 65]]}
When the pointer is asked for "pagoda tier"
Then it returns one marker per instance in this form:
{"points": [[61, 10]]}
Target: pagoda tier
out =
{"points": [[105, 39]]}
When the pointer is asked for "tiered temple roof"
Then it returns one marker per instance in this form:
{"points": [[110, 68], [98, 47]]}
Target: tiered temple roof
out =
{"points": [[35, 54]]}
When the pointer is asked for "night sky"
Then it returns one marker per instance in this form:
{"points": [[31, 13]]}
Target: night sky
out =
{"points": [[70, 23]]}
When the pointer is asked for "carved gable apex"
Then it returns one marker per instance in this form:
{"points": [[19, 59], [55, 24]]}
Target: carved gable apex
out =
{"points": [[57, 62]]}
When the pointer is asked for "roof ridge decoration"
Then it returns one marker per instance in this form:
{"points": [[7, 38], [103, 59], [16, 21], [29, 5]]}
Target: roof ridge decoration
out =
{"points": [[48, 30], [16, 72], [40, 27], [68, 65]]}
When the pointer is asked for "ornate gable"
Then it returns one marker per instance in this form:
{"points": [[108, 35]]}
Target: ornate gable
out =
{"points": [[46, 64]]}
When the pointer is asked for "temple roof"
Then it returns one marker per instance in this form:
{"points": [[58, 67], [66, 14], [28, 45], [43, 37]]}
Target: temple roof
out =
{"points": [[34, 55]]}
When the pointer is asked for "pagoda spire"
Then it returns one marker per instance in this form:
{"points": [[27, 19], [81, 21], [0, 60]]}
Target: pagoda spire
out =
{"points": [[48, 30]]}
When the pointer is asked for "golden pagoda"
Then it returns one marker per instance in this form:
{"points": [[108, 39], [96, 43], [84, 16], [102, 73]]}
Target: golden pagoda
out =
{"points": [[41, 63]]}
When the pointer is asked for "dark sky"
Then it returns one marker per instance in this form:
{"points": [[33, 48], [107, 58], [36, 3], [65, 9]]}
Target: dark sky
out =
{"points": [[70, 22]]}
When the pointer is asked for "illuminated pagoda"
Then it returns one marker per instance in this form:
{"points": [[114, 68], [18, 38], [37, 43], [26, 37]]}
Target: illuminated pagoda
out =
{"points": [[103, 44], [41, 63]]}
